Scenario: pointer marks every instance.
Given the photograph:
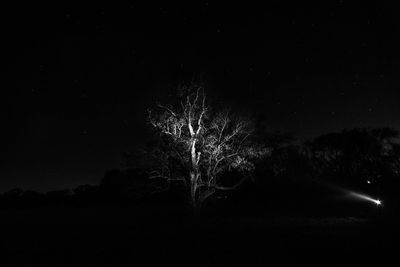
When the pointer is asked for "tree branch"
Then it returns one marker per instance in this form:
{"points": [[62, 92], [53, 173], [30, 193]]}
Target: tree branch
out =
{"points": [[168, 109], [203, 111], [209, 192], [226, 188]]}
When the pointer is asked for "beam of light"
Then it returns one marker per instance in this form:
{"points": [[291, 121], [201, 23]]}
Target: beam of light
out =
{"points": [[376, 201], [351, 193]]}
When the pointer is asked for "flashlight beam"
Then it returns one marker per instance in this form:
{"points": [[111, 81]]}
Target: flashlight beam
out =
{"points": [[376, 201]]}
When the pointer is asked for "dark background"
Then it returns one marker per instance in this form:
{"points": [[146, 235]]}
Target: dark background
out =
{"points": [[76, 84], [79, 78]]}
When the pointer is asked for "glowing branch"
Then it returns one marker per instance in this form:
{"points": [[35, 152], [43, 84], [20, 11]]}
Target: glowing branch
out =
{"points": [[201, 145]]}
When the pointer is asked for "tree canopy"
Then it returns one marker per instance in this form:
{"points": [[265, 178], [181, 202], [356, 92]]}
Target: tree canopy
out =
{"points": [[198, 144]]}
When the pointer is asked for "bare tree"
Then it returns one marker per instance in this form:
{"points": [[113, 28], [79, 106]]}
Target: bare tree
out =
{"points": [[199, 145]]}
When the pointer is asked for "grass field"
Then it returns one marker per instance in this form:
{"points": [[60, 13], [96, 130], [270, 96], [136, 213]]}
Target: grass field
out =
{"points": [[163, 236]]}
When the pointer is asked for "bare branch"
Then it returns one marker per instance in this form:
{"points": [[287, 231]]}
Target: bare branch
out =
{"points": [[223, 127], [168, 109], [201, 145], [203, 111], [234, 187], [209, 192]]}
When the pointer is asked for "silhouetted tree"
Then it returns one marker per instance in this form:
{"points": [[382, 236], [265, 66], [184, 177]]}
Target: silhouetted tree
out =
{"points": [[281, 150], [86, 192], [130, 183], [14, 193], [197, 145], [58, 197], [358, 154], [31, 195]]}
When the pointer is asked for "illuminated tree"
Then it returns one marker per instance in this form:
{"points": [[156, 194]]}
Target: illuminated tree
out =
{"points": [[197, 146]]}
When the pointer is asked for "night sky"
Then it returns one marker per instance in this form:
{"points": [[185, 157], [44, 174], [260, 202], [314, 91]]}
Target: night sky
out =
{"points": [[78, 79]]}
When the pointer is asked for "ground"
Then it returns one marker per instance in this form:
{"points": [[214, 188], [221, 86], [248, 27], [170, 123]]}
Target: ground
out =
{"points": [[163, 236]]}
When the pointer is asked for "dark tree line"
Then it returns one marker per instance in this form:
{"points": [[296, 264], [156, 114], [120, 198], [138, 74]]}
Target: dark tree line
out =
{"points": [[359, 155], [368, 157], [197, 151]]}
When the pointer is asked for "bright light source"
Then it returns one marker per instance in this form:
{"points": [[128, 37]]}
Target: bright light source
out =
{"points": [[376, 201], [368, 181]]}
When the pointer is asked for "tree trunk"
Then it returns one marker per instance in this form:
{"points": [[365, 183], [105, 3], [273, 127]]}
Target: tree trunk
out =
{"points": [[194, 175], [192, 189]]}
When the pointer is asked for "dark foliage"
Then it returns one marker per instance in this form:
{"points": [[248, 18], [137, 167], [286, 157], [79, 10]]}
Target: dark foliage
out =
{"points": [[287, 180]]}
